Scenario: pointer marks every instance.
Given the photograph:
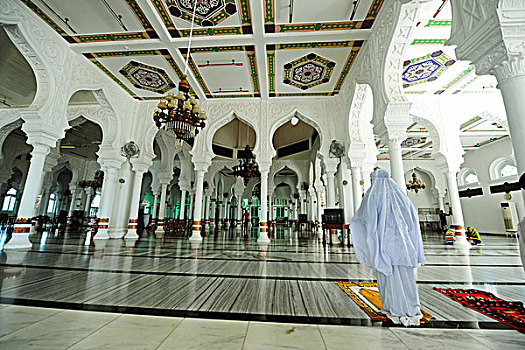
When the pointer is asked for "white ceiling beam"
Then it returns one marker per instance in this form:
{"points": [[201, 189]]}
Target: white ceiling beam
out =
{"points": [[260, 46]]}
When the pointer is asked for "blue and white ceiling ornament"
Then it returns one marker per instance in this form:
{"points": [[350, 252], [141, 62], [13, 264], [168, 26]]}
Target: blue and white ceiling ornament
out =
{"points": [[425, 69]]}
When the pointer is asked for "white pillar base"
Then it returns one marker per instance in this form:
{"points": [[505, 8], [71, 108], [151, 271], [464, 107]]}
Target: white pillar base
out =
{"points": [[461, 241], [195, 237], [132, 234], [102, 234], [19, 241], [263, 238], [117, 232]]}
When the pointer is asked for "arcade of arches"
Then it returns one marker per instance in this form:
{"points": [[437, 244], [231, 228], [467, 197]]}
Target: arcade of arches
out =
{"points": [[322, 94]]}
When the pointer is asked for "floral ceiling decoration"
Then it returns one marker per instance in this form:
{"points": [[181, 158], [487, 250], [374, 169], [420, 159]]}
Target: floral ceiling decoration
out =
{"points": [[208, 13], [425, 69], [308, 71], [146, 77]]}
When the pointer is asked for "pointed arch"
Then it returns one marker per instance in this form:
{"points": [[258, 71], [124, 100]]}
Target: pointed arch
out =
{"points": [[214, 127]]}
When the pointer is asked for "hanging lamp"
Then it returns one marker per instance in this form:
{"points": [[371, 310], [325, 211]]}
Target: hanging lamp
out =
{"points": [[180, 115]]}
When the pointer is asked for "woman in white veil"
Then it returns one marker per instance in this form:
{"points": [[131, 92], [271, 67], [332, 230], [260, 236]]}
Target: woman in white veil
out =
{"points": [[386, 236]]}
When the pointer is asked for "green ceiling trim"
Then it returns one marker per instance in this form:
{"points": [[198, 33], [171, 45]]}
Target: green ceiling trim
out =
{"points": [[429, 41], [270, 58], [318, 27], [470, 82], [244, 6], [434, 23], [374, 9], [212, 31], [461, 76], [411, 126], [348, 65], [161, 10], [470, 122], [125, 53], [137, 11], [269, 12], [45, 17], [415, 92], [295, 94], [314, 45], [216, 49], [114, 78], [233, 96], [252, 63], [89, 38]]}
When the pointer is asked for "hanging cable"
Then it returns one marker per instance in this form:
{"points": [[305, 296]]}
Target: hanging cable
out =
{"points": [[191, 35]]}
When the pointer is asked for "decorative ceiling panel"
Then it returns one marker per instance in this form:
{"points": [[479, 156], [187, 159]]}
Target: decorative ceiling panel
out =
{"points": [[249, 66], [270, 25], [60, 22], [153, 71], [114, 33], [281, 82], [217, 17]]}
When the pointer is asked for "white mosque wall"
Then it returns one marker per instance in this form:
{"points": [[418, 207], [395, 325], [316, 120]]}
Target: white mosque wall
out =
{"points": [[484, 212]]}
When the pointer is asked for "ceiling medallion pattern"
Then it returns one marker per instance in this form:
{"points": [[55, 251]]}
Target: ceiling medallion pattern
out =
{"points": [[208, 13], [308, 71], [425, 69], [146, 77]]}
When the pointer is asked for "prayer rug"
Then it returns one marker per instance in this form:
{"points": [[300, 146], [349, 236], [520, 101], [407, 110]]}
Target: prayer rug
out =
{"points": [[366, 296], [511, 313]]}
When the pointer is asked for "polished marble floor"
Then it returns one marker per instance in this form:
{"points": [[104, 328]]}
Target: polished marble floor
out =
{"points": [[231, 277], [23, 327]]}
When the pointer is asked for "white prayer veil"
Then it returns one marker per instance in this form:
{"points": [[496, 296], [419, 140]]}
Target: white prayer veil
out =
{"points": [[385, 230]]}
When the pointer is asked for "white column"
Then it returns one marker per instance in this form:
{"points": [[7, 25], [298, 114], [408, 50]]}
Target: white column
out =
{"points": [[73, 190], [396, 162], [347, 191], [239, 211], [263, 221], [357, 193], [106, 202], [270, 208], [199, 183], [32, 187], [330, 190], [207, 201], [192, 204], [162, 209], [87, 205], [182, 204], [135, 201], [319, 210], [311, 205], [155, 205], [457, 213]]}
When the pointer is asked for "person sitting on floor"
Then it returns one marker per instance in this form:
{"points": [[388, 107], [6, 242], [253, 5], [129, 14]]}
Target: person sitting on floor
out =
{"points": [[473, 236], [387, 237]]}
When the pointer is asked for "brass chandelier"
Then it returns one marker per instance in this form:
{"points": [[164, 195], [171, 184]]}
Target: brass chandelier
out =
{"points": [[415, 184], [180, 115], [247, 167]]}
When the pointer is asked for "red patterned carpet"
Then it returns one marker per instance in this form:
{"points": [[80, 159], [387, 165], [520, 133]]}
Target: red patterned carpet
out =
{"points": [[511, 313]]}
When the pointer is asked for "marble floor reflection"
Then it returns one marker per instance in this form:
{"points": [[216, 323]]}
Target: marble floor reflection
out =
{"points": [[25, 327], [230, 276]]}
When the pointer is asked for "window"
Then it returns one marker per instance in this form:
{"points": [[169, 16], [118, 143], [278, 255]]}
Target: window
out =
{"points": [[508, 170], [9, 200], [471, 178], [51, 203]]}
